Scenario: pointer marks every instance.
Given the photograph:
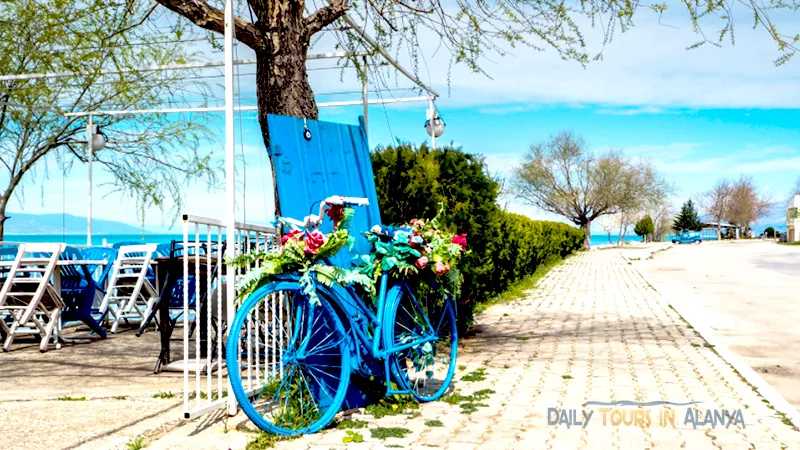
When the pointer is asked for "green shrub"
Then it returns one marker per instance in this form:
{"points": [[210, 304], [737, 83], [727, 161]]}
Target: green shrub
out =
{"points": [[411, 181]]}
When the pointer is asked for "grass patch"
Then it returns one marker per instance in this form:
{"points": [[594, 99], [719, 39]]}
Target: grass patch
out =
{"points": [[707, 345], [353, 436], [566, 377], [469, 408], [522, 338], [351, 423], [462, 367], [478, 375], [214, 395], [414, 414], [267, 440], [469, 403], [67, 398], [120, 397], [517, 290], [392, 406], [136, 444], [163, 394], [695, 345], [506, 366], [389, 432], [434, 423]]}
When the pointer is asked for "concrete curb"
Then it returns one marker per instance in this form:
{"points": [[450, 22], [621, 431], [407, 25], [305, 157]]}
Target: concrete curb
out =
{"points": [[644, 253], [739, 365]]}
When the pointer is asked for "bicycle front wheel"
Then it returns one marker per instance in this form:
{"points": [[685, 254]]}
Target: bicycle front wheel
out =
{"points": [[288, 360], [426, 368]]}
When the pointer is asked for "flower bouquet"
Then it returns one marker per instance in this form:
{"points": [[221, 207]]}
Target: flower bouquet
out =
{"points": [[419, 251], [303, 252]]}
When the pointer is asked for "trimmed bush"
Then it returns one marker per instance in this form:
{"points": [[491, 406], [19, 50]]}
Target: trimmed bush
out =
{"points": [[412, 181]]}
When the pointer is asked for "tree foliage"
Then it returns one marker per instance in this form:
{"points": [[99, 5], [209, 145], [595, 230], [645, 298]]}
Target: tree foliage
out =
{"points": [[562, 177], [151, 157], [687, 219], [746, 205], [769, 232], [411, 181], [717, 203], [644, 227]]}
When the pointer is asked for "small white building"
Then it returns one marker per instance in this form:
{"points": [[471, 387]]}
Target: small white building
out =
{"points": [[793, 220]]}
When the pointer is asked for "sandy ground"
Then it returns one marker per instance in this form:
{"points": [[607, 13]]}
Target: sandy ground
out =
{"points": [[97, 395], [748, 292]]}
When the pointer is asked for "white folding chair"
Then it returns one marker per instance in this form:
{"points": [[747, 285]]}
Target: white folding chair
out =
{"points": [[130, 295], [28, 296]]}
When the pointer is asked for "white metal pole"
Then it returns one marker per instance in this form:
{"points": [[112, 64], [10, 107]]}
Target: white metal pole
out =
{"points": [[364, 95], [90, 157], [230, 180], [433, 128]]}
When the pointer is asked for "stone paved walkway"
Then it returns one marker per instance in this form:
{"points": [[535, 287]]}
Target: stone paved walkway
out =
{"points": [[593, 330]]}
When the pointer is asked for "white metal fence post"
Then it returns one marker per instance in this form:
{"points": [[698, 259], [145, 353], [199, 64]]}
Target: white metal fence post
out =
{"points": [[90, 157], [230, 181]]}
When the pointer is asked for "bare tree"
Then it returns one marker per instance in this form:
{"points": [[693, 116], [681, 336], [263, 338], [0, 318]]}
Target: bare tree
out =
{"points": [[718, 203], [746, 206], [560, 176], [796, 188], [150, 156], [661, 212]]}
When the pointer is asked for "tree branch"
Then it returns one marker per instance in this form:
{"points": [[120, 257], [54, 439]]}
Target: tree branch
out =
{"points": [[325, 16], [210, 18]]}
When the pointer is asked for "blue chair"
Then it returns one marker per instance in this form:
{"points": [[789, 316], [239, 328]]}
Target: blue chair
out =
{"points": [[78, 290], [100, 273]]}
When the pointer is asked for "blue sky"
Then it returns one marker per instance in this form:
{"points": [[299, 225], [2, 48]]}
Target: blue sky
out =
{"points": [[699, 115]]}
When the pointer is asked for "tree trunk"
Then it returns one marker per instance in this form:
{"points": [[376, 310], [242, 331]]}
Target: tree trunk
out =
{"points": [[587, 228], [282, 85], [719, 231], [3, 218]]}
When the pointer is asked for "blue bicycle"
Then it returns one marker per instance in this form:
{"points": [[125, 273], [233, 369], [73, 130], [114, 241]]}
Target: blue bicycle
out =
{"points": [[290, 353]]}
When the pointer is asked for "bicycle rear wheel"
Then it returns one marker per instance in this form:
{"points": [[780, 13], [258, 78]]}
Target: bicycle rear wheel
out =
{"points": [[425, 369], [288, 360]]}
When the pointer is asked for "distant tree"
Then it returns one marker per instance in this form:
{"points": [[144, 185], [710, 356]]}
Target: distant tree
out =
{"points": [[746, 205], [718, 202], [644, 227], [796, 188], [687, 219], [769, 232], [661, 212], [560, 176]]}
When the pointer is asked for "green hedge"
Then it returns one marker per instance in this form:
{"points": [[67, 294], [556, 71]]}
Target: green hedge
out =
{"points": [[411, 181]]}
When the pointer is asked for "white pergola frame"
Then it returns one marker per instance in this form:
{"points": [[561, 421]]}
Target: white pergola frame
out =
{"points": [[228, 63]]}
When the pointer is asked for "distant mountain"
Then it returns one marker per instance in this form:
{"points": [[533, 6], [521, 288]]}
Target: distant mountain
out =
{"points": [[21, 223]]}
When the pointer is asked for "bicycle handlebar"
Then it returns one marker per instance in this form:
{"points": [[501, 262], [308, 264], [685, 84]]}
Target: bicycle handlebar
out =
{"points": [[314, 221]]}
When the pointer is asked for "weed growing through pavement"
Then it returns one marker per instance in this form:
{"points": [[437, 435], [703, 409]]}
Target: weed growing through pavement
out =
{"points": [[136, 444], [566, 377], [387, 432], [120, 397], [522, 338], [352, 436], [163, 394], [434, 423], [351, 423], [67, 398], [267, 440], [478, 375]]}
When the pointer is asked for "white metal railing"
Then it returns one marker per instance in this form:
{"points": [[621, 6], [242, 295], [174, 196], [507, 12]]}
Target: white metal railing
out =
{"points": [[205, 382]]}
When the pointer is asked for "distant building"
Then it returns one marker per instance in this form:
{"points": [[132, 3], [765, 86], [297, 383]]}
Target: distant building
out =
{"points": [[793, 220], [709, 230]]}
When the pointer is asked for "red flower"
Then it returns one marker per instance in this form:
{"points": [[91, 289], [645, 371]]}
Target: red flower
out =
{"points": [[314, 241], [460, 239], [336, 213], [441, 268], [290, 235], [421, 262]]}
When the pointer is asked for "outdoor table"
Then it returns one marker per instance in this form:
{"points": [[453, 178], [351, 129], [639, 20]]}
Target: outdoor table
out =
{"points": [[57, 283], [164, 267], [63, 262]]}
